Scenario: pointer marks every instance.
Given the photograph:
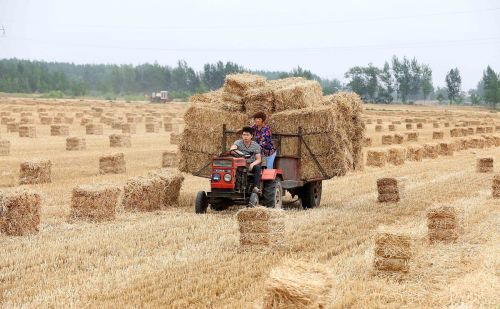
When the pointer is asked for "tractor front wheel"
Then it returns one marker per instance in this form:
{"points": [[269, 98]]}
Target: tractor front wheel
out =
{"points": [[310, 194], [201, 202]]}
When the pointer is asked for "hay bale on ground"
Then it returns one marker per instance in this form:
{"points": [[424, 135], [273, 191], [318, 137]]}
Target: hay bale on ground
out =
{"points": [[447, 124], [456, 132], [68, 120], [169, 159], [19, 212], [175, 138], [437, 135], [368, 121], [391, 189], [27, 120], [484, 165], [75, 143], [387, 139], [27, 131], [435, 125], [58, 130], [398, 139], [143, 193], [152, 127], [298, 285], [94, 129], [495, 186], [392, 252], [446, 149], [396, 155], [420, 126], [475, 142], [409, 126], [168, 126], [431, 150], [171, 186], [378, 128], [35, 171], [112, 164], [12, 127], [95, 203], [129, 128], [480, 130], [442, 224], [120, 140], [414, 152], [376, 157], [367, 141], [489, 141], [261, 229], [412, 136], [392, 127], [380, 121], [488, 129], [4, 148]]}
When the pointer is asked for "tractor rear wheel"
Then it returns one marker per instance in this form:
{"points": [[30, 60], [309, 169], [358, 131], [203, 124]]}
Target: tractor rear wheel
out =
{"points": [[310, 194], [273, 194], [201, 202]]}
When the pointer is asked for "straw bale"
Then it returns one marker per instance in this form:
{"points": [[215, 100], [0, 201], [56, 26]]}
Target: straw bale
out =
{"points": [[367, 141], [396, 155], [19, 212], [475, 142], [299, 285], [489, 141], [495, 186], [7, 179], [296, 95], [497, 128], [420, 125], [391, 189], [446, 149], [444, 217], [129, 128], [112, 164], [58, 130], [408, 120], [335, 164], [480, 130], [168, 127], [143, 193], [68, 120], [175, 138], [85, 121], [378, 128], [497, 141], [392, 127], [409, 126], [488, 129], [442, 235], [95, 203], [26, 120], [240, 83], [261, 228], [204, 141], [116, 125], [7, 120], [169, 159], [398, 139], [58, 120], [206, 118], [376, 157], [312, 120], [12, 127], [120, 140], [412, 136], [171, 183], [46, 120], [35, 171], [392, 252], [27, 131], [368, 121], [437, 135], [484, 165], [94, 129], [380, 121], [414, 152], [4, 148], [387, 139], [259, 100], [435, 125], [152, 127], [447, 124], [192, 162], [431, 150], [212, 98]]}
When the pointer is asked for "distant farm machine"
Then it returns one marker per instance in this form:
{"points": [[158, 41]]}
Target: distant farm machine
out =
{"points": [[160, 97]]}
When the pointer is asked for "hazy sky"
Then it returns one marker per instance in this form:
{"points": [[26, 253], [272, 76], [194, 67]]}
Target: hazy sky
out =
{"points": [[327, 37]]}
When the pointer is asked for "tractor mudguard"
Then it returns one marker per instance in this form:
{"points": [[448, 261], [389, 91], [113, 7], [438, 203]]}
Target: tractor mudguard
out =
{"points": [[271, 174]]}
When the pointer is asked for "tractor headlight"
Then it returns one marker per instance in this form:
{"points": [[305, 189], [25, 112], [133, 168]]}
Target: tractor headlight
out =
{"points": [[227, 177], [216, 177]]}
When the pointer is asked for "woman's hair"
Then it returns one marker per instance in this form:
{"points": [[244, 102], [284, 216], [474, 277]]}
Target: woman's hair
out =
{"points": [[247, 130], [260, 115]]}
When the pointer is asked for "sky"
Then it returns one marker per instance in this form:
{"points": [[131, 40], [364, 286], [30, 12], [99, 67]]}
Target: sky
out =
{"points": [[326, 37]]}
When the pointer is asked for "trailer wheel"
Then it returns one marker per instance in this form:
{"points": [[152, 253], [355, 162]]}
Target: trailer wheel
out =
{"points": [[310, 194], [201, 202], [273, 194]]}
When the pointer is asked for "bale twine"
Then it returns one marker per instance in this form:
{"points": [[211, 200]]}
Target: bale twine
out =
{"points": [[391, 189], [376, 157], [437, 135], [398, 139], [112, 164], [169, 159], [392, 127], [495, 186], [19, 212], [120, 140], [57, 130], [95, 203], [442, 224], [175, 138], [420, 126], [129, 128], [412, 136], [484, 165], [152, 127], [409, 126], [378, 128], [75, 143], [261, 229], [380, 121], [4, 148], [94, 129], [387, 139], [35, 171], [298, 284], [12, 127], [392, 252], [396, 155], [446, 149], [27, 131], [414, 152], [431, 150]]}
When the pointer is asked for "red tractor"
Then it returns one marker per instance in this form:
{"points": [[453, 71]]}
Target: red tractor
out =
{"points": [[232, 184]]}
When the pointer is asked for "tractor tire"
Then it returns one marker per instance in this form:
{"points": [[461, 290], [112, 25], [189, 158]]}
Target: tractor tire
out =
{"points": [[201, 202], [220, 206], [273, 194], [310, 194]]}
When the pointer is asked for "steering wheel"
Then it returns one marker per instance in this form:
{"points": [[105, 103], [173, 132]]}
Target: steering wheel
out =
{"points": [[236, 153]]}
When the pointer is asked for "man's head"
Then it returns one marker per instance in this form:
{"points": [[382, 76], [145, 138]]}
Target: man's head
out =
{"points": [[259, 118], [247, 134]]}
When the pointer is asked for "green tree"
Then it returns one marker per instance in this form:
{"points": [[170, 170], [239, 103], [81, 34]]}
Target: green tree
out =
{"points": [[386, 87], [491, 87], [454, 84], [427, 87]]}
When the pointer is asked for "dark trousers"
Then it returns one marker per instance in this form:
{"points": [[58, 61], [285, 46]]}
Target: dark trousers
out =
{"points": [[257, 171]]}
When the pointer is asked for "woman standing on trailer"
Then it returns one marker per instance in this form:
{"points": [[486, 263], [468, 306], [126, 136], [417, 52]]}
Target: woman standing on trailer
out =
{"points": [[264, 137]]}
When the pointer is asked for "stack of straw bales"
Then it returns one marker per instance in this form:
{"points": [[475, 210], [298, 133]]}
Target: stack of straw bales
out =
{"points": [[120, 140], [414, 152], [495, 186], [437, 135], [169, 159], [76, 143], [19, 212], [261, 229], [392, 252], [298, 284], [235, 88], [129, 128], [376, 157], [484, 165], [442, 224], [4, 148], [27, 131], [112, 164], [94, 129], [56, 130], [95, 202], [35, 171], [391, 189], [396, 155]]}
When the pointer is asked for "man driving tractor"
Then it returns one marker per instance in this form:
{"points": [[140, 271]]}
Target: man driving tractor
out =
{"points": [[248, 146]]}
